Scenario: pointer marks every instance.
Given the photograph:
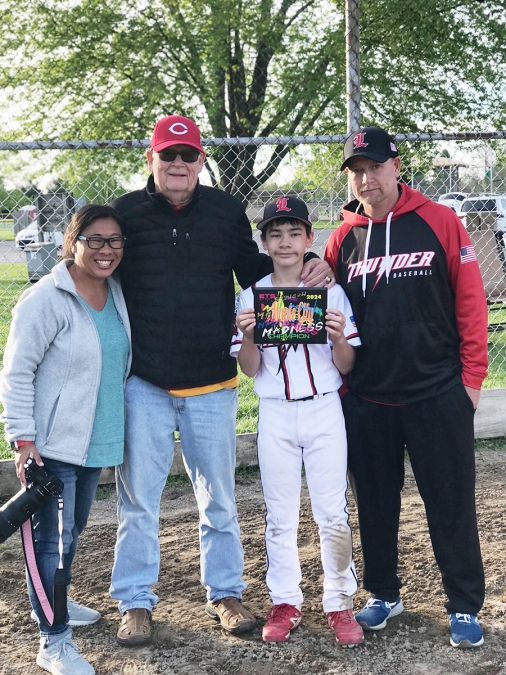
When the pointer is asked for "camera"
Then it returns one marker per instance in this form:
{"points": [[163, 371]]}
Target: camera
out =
{"points": [[40, 486]]}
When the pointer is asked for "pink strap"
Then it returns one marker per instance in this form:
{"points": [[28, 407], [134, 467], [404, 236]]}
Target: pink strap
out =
{"points": [[31, 563]]}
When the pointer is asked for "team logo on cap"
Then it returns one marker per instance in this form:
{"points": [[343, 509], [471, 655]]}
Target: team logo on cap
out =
{"points": [[282, 204], [393, 148], [359, 141], [180, 130]]}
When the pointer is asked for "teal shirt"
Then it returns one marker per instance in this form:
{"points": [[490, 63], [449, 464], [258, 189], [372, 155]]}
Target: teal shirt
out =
{"points": [[108, 435]]}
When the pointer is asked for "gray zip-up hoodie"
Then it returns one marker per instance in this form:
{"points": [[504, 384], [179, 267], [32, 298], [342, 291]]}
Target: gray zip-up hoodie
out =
{"points": [[52, 365]]}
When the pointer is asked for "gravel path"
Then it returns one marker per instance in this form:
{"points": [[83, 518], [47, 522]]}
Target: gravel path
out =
{"points": [[186, 642]]}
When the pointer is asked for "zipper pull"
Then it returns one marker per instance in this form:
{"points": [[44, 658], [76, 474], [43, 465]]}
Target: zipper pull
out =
{"points": [[174, 235], [188, 236]]}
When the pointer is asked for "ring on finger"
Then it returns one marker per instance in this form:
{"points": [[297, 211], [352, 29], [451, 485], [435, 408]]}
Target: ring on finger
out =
{"points": [[328, 279]]}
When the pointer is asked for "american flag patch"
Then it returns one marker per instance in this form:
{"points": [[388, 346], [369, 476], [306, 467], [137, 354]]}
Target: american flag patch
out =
{"points": [[352, 320], [467, 254]]}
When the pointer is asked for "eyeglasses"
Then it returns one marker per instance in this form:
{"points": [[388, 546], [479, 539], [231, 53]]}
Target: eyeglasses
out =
{"points": [[100, 242], [188, 156]]}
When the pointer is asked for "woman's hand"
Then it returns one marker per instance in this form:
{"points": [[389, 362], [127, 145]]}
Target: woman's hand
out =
{"points": [[21, 456]]}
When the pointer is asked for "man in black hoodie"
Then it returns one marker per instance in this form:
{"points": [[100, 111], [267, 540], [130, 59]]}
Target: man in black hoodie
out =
{"points": [[184, 241], [410, 272]]}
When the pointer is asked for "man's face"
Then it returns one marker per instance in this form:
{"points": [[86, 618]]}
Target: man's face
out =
{"points": [[374, 184], [175, 178]]}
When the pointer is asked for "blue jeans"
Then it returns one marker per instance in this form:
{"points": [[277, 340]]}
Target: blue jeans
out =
{"points": [[207, 427], [80, 484]]}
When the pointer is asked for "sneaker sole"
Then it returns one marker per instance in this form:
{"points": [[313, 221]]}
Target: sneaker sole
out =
{"points": [[46, 665], [272, 639], [281, 639], [350, 642], [72, 622], [243, 628], [466, 644], [395, 612], [136, 641]]}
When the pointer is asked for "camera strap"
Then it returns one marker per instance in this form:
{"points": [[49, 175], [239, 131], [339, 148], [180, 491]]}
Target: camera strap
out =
{"points": [[55, 614]]}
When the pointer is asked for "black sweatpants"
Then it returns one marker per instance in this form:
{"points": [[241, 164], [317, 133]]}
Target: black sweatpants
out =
{"points": [[439, 437]]}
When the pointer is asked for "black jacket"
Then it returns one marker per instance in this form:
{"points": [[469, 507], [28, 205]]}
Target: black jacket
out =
{"points": [[177, 278]]}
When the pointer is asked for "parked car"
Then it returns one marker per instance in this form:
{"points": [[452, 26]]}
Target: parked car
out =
{"points": [[30, 235], [453, 199], [27, 235], [484, 212]]}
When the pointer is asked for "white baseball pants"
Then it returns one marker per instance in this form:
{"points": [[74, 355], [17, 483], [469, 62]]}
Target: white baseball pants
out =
{"points": [[313, 432]]}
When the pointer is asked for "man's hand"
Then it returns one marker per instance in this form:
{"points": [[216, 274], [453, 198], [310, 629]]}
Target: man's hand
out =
{"points": [[318, 273], [245, 322], [474, 395], [21, 456]]}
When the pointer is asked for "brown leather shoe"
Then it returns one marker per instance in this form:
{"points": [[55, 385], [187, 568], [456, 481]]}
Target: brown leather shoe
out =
{"points": [[135, 627], [232, 615]]}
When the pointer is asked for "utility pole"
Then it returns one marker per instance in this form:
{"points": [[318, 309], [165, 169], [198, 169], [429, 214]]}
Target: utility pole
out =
{"points": [[352, 69], [353, 64]]}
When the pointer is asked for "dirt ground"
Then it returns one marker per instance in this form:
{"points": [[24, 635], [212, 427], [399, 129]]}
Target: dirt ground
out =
{"points": [[186, 642]]}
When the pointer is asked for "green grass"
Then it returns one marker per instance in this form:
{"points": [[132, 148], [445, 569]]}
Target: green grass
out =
{"points": [[497, 348], [490, 444], [104, 492], [6, 229], [177, 480], [13, 281]]}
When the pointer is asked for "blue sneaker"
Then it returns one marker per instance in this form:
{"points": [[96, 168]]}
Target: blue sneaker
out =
{"points": [[376, 613], [465, 631]]}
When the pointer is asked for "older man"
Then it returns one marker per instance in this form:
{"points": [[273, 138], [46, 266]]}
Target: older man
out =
{"points": [[184, 241], [411, 275]]}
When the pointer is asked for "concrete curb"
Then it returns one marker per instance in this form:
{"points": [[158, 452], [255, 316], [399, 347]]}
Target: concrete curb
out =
{"points": [[489, 422]]}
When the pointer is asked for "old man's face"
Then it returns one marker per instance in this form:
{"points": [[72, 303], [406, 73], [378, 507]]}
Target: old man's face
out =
{"points": [[174, 177]]}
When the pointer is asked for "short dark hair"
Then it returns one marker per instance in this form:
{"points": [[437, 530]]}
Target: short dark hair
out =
{"points": [[82, 219], [281, 221]]}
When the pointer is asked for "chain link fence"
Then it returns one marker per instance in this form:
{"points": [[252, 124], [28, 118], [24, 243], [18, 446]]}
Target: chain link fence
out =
{"points": [[44, 182]]}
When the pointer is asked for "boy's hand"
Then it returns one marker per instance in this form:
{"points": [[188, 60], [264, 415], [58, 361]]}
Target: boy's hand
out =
{"points": [[335, 324], [246, 322]]}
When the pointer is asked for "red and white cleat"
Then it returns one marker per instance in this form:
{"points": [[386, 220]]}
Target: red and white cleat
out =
{"points": [[280, 621], [347, 631]]}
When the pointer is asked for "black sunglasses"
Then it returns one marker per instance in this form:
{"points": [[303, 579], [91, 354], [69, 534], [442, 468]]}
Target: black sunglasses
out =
{"points": [[188, 156]]}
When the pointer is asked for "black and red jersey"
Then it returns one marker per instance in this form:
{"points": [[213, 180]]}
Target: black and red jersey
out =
{"points": [[418, 300]]}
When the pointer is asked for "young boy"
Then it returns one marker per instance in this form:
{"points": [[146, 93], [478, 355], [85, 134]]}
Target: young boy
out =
{"points": [[300, 420]]}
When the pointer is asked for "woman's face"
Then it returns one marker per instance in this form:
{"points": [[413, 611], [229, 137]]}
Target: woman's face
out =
{"points": [[98, 263]]}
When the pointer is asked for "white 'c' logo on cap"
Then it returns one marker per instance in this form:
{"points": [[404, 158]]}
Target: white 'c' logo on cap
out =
{"points": [[183, 127]]}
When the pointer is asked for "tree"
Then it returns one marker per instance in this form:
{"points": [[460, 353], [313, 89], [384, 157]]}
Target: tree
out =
{"points": [[95, 70]]}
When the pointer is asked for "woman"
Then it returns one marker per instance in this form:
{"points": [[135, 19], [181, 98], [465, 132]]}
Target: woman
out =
{"points": [[65, 365]]}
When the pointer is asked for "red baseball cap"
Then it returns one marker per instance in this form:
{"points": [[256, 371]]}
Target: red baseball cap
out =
{"points": [[175, 130]]}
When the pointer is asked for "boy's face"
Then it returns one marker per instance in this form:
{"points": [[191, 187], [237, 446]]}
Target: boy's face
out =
{"points": [[287, 243]]}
